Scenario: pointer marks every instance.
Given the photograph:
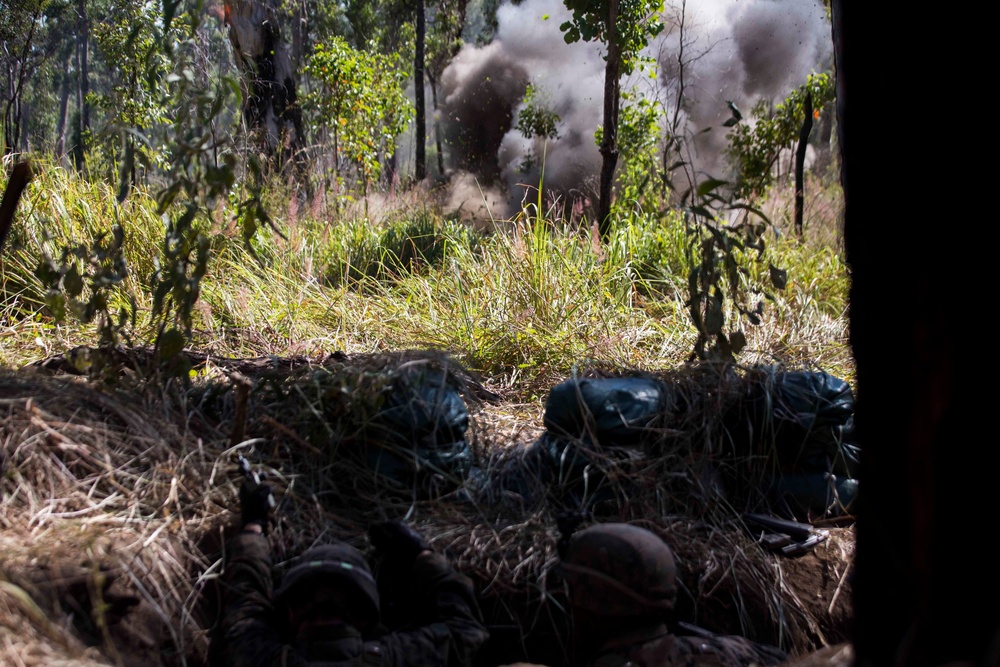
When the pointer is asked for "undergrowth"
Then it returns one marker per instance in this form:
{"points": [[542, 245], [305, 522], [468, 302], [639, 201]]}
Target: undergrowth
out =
{"points": [[522, 305]]}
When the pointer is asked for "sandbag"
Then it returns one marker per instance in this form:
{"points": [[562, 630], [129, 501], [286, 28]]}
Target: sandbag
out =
{"points": [[611, 412], [799, 421], [806, 495], [418, 438]]}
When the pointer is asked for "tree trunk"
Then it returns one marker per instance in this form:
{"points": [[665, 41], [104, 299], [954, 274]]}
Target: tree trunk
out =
{"points": [[270, 107], [13, 120], [609, 142], [297, 38], [11, 129], [925, 592], [20, 176], [83, 87], [418, 94], [24, 113], [64, 90], [800, 163]]}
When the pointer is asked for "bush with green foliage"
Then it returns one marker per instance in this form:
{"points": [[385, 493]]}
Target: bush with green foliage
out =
{"points": [[360, 96], [538, 122], [638, 142], [754, 147]]}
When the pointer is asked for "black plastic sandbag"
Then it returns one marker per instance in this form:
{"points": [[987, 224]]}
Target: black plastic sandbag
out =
{"points": [[615, 412], [570, 473], [800, 421], [419, 434], [807, 495], [810, 413]]}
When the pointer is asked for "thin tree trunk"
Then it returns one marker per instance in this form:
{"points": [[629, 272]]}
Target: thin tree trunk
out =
{"points": [[800, 162], [824, 144], [64, 90], [609, 142], [14, 112], [83, 87], [10, 128], [418, 94], [297, 38], [24, 113]]}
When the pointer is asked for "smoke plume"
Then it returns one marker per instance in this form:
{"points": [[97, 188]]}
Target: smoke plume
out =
{"points": [[727, 50]]}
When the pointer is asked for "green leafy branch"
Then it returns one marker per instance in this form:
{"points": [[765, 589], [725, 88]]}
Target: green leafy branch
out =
{"points": [[83, 283], [718, 254], [754, 146]]}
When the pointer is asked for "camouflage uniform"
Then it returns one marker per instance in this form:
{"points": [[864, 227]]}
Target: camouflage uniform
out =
{"points": [[657, 647], [450, 634], [622, 585]]}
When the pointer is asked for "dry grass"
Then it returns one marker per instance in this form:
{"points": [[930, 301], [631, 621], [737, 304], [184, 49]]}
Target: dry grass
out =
{"points": [[116, 497]]}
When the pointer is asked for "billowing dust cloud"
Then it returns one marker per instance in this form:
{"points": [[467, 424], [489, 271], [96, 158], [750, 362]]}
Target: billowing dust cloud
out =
{"points": [[733, 50]]}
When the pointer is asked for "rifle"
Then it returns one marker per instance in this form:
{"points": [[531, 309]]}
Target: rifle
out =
{"points": [[791, 538]]}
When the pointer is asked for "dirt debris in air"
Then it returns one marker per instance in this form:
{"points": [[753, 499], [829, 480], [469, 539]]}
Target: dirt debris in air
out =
{"points": [[117, 494]]}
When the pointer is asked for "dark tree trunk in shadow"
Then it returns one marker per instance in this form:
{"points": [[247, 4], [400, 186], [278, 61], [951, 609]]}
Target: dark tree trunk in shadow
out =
{"points": [[800, 162], [20, 176], [925, 592], [609, 142]]}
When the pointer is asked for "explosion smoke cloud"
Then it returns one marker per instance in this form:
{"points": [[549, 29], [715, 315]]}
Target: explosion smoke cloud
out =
{"points": [[739, 51]]}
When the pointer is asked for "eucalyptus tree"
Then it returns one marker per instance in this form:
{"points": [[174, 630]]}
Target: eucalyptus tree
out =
{"points": [[270, 102], [359, 96]]}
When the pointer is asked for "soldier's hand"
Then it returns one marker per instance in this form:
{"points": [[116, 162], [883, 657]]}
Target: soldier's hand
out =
{"points": [[397, 542], [256, 501]]}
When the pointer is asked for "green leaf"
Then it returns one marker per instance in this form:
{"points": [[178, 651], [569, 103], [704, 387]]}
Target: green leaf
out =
{"points": [[714, 318], [125, 174], [46, 273], [709, 185], [751, 209], [702, 211], [56, 303]]}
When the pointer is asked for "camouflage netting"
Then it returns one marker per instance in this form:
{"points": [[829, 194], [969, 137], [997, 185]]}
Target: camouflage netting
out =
{"points": [[116, 498]]}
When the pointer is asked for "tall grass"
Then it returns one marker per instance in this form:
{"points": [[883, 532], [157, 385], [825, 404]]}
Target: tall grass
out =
{"points": [[523, 305]]}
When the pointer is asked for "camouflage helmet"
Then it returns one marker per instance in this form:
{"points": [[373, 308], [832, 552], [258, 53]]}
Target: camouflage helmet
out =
{"points": [[339, 564], [616, 569]]}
